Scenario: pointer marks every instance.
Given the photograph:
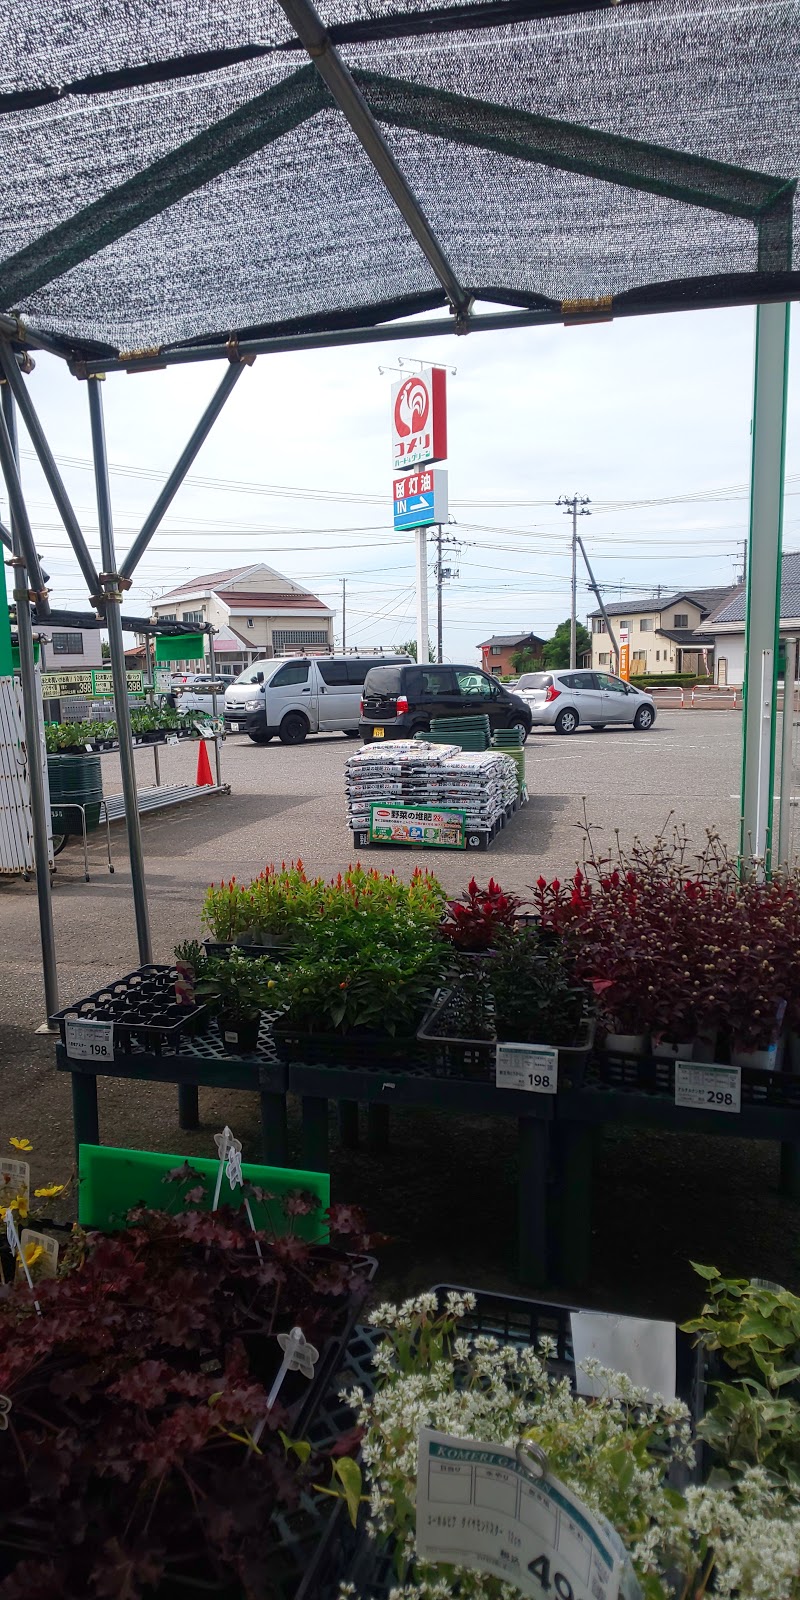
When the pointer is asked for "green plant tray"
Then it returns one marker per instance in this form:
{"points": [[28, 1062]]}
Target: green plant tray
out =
{"points": [[113, 1181]]}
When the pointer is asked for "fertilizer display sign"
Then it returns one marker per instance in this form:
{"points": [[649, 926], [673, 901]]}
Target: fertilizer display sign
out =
{"points": [[94, 685], [418, 825]]}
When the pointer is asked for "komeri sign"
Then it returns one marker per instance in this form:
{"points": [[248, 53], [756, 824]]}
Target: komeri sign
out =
{"points": [[419, 419]]}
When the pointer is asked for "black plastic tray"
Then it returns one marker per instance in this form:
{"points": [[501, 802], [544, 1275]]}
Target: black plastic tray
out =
{"points": [[160, 1038], [347, 1050], [651, 1075]]}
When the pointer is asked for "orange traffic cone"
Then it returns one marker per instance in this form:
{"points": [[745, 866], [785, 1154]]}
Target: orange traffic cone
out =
{"points": [[203, 767]]}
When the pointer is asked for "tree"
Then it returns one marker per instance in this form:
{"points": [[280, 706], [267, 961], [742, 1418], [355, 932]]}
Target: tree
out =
{"points": [[556, 650], [526, 659], [105, 651], [410, 648]]}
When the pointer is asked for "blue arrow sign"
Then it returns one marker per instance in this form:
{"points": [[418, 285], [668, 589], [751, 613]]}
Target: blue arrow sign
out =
{"points": [[416, 512]]}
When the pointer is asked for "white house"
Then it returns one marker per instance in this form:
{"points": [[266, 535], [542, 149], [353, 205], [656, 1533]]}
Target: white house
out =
{"points": [[70, 647], [728, 621], [257, 611], [666, 633]]}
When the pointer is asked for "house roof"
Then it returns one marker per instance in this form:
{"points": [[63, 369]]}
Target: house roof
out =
{"points": [[706, 599], [736, 610], [509, 639], [240, 600], [688, 636], [206, 581]]}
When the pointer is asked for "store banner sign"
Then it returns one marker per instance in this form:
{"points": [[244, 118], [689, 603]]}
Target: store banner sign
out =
{"points": [[624, 655], [418, 825], [419, 419], [180, 647], [420, 499]]}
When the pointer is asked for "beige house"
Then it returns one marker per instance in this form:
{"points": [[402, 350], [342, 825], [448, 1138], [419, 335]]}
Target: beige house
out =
{"points": [[257, 611], [664, 632]]}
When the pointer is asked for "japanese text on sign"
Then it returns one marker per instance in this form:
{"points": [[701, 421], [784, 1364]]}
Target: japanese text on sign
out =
{"points": [[89, 1041], [417, 825], [708, 1088], [527, 1066], [479, 1507]]}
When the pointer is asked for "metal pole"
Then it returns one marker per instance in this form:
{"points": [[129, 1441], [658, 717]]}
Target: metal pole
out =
{"points": [[787, 735], [344, 614], [212, 662], [422, 595], [313, 36], [21, 531], [439, 582], [41, 846], [182, 465], [599, 597], [573, 614], [19, 390], [113, 598], [764, 580]]}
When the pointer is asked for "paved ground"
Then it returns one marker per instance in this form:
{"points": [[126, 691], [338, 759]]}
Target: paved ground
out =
{"points": [[289, 802]]}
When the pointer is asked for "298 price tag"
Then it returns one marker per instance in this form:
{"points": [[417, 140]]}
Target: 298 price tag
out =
{"points": [[533, 1067], [89, 1041], [708, 1088]]}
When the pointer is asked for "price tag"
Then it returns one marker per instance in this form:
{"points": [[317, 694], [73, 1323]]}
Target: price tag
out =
{"points": [[708, 1088], [15, 1183], [89, 1041], [527, 1066], [480, 1506], [172, 738]]}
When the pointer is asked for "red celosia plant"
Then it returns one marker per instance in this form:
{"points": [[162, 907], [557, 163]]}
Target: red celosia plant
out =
{"points": [[128, 1464], [474, 921]]}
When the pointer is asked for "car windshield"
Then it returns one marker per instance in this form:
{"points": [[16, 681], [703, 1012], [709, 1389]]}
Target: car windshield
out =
{"points": [[250, 674], [535, 680]]}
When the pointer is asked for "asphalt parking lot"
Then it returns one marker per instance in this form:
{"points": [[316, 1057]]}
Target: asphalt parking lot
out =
{"points": [[289, 801], [446, 1189]]}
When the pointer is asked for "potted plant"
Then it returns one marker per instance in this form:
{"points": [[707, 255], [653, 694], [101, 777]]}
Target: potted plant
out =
{"points": [[472, 924], [147, 1459], [357, 1005], [237, 992], [739, 1535]]}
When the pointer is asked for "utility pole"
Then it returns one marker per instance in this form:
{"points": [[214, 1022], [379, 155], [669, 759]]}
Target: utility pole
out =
{"points": [[574, 507], [442, 573], [593, 586], [344, 614]]}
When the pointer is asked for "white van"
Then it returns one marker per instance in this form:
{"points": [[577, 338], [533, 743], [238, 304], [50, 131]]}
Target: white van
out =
{"points": [[297, 695]]}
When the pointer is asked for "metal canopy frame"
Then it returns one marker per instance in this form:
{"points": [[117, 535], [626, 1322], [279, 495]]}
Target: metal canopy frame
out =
{"points": [[368, 101]]}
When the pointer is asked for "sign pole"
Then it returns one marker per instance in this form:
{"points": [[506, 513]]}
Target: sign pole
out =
{"points": [[422, 595]]}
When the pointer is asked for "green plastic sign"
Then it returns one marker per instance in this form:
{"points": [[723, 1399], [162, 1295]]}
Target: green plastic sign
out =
{"points": [[6, 663], [180, 647], [389, 824], [113, 1181], [94, 685]]}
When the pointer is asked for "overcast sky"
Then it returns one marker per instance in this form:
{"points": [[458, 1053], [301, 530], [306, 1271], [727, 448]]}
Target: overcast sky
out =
{"points": [[648, 409]]}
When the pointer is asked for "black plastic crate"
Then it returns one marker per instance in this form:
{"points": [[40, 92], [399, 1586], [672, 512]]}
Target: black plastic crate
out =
{"points": [[116, 1001], [448, 1051], [347, 1050], [651, 1075]]}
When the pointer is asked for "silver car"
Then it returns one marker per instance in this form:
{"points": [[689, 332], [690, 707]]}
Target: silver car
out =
{"points": [[563, 700]]}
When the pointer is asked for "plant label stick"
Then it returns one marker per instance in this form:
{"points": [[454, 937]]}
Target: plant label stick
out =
{"points": [[225, 1144], [16, 1251], [298, 1356]]}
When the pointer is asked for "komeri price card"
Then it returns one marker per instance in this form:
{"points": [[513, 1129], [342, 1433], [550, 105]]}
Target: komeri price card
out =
{"points": [[479, 1507]]}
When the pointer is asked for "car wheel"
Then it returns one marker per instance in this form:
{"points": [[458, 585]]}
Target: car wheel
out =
{"points": [[293, 729], [566, 721], [260, 738], [519, 722], [644, 719], [352, 733]]}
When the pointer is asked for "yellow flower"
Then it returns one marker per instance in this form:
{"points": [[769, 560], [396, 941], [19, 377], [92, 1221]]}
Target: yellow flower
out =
{"points": [[32, 1253], [48, 1192], [18, 1204], [21, 1144]]}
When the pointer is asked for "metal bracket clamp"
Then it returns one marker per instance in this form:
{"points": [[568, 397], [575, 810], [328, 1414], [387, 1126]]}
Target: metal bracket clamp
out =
{"points": [[234, 354], [532, 1459], [600, 309]]}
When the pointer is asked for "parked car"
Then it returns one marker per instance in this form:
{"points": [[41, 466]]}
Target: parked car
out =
{"points": [[297, 695], [399, 701], [197, 695], [563, 700]]}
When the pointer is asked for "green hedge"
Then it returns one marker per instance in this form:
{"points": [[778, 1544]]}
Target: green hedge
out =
{"points": [[682, 679]]}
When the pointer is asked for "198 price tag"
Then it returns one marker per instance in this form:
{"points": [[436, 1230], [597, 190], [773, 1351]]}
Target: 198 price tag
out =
{"points": [[708, 1088], [89, 1041], [527, 1066]]}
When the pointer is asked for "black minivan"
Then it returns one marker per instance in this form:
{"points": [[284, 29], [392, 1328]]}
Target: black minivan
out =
{"points": [[400, 701]]}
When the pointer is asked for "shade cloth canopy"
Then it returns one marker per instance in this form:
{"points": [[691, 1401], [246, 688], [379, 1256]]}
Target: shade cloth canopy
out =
{"points": [[177, 172]]}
